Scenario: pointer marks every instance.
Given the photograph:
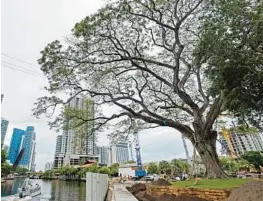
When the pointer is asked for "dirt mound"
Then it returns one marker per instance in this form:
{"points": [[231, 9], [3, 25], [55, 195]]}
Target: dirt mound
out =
{"points": [[136, 188], [252, 191], [143, 196], [161, 182]]}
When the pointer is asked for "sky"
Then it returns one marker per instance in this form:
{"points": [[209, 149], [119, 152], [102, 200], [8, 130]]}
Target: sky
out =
{"points": [[27, 27]]}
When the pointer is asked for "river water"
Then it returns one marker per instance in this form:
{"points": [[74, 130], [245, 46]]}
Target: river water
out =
{"points": [[55, 190]]}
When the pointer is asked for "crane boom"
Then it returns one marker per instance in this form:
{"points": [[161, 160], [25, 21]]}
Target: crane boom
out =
{"points": [[186, 150]]}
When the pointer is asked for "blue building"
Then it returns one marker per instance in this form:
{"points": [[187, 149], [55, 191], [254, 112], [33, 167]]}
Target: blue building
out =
{"points": [[15, 144], [4, 125], [29, 143]]}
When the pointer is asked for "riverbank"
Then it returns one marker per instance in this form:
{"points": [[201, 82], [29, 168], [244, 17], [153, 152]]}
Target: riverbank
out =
{"points": [[64, 179]]}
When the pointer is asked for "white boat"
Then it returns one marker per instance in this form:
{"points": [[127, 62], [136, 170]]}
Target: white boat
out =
{"points": [[29, 188]]}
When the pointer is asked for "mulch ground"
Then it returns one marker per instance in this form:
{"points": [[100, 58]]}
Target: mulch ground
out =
{"points": [[251, 191]]}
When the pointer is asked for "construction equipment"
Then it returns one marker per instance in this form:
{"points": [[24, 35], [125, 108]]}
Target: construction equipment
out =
{"points": [[139, 172], [186, 150]]}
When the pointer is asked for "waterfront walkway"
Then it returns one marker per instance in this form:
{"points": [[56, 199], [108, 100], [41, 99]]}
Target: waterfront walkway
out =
{"points": [[120, 193]]}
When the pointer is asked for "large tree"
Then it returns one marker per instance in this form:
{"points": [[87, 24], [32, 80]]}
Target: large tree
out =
{"points": [[231, 46], [137, 55]]}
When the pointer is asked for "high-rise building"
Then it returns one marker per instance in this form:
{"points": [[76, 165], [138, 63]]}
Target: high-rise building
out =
{"points": [[119, 153], [48, 166], [4, 126], [29, 144], [58, 144], [77, 141], [237, 143], [80, 140], [59, 154], [6, 148], [103, 154], [16, 144]]}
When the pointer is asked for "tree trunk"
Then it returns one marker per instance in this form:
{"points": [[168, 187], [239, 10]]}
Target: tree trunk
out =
{"points": [[206, 147]]}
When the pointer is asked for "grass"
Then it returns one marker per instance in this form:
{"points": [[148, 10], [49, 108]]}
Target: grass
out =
{"points": [[212, 183]]}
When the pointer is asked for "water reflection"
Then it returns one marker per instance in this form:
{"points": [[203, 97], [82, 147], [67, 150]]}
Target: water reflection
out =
{"points": [[51, 190]]}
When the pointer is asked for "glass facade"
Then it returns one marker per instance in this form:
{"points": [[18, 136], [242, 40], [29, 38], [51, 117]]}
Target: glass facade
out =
{"points": [[122, 152], [29, 145], [4, 125], [15, 144], [103, 155]]}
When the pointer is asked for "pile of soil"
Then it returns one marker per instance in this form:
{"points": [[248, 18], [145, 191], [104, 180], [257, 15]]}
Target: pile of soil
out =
{"points": [[139, 191], [137, 188], [161, 182], [252, 191]]}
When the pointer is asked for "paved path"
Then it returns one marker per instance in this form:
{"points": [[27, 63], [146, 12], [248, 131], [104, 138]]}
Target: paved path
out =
{"points": [[120, 193]]}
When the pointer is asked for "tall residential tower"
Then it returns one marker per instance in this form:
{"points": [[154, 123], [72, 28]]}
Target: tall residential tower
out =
{"points": [[29, 143], [119, 153], [103, 153], [76, 142], [4, 126], [16, 144]]}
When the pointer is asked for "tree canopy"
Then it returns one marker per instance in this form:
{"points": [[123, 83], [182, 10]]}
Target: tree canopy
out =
{"points": [[152, 168], [3, 156], [147, 58], [254, 158], [231, 45], [164, 167]]}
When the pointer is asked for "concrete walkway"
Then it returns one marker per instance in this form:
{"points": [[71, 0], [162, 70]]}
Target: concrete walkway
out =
{"points": [[120, 193]]}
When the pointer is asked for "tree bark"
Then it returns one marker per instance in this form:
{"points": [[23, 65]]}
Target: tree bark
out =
{"points": [[206, 148]]}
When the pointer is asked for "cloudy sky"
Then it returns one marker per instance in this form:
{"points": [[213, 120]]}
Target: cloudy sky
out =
{"points": [[29, 25]]}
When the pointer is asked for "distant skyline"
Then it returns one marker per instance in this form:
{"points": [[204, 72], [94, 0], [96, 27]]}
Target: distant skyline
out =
{"points": [[27, 27]]}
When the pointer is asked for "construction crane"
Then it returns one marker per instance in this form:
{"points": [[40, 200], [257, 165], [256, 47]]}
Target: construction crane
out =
{"points": [[139, 172], [186, 150]]}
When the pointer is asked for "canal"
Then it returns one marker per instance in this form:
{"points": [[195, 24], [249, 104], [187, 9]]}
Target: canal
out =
{"points": [[54, 190]]}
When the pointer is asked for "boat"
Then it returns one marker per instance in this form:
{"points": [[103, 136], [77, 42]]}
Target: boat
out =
{"points": [[29, 188], [10, 177]]}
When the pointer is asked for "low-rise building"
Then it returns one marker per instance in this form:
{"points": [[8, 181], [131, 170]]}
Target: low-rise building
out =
{"points": [[129, 169], [76, 160]]}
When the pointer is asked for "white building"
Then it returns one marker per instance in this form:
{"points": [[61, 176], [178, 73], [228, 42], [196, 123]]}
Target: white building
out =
{"points": [[103, 153], [119, 153], [76, 159], [129, 169], [48, 166], [77, 141], [80, 140]]}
